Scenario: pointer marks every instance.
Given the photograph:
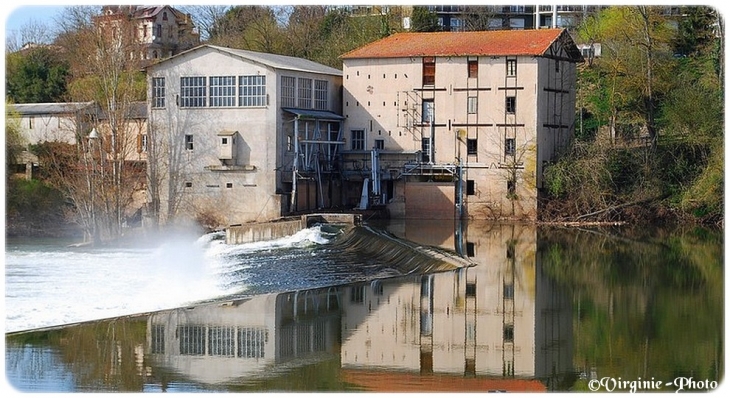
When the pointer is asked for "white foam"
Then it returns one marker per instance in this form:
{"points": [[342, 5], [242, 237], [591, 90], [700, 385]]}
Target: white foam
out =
{"points": [[61, 285]]}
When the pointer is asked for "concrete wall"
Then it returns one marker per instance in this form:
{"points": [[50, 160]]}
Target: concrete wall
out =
{"points": [[385, 97], [196, 182], [257, 232]]}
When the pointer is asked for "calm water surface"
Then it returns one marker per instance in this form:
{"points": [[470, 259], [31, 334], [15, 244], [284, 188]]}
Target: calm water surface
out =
{"points": [[541, 309]]}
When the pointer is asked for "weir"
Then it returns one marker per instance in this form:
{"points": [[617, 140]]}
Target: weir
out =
{"points": [[270, 230], [405, 256], [358, 241]]}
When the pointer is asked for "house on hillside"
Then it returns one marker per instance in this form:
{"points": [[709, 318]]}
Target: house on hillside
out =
{"points": [[449, 125], [237, 136], [159, 31]]}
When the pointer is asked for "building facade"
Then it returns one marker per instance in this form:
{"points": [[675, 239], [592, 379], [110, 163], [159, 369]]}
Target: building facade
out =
{"points": [[239, 136], [158, 31], [452, 125]]}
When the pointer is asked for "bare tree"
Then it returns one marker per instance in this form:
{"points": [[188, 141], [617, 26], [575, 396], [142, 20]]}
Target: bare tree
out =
{"points": [[103, 54], [206, 17], [30, 33]]}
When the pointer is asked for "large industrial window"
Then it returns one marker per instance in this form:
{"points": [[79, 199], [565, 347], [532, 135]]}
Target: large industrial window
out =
{"points": [[321, 94], [252, 342], [304, 93], [288, 93], [222, 91], [471, 146], [222, 341], [192, 92], [158, 92], [252, 90], [192, 339], [157, 337], [510, 105], [358, 140], [511, 67], [429, 71]]}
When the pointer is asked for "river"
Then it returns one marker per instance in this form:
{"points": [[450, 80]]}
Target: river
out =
{"points": [[536, 309]]}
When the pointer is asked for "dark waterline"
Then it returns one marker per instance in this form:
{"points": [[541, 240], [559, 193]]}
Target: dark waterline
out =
{"points": [[542, 309]]}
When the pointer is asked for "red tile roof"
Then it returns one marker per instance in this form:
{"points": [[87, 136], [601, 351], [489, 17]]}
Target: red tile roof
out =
{"points": [[444, 44], [399, 382]]}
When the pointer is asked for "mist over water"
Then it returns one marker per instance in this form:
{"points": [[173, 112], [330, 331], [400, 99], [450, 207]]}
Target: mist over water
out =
{"points": [[54, 284]]}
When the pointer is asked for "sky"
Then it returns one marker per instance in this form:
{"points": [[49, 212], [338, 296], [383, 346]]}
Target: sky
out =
{"points": [[15, 17]]}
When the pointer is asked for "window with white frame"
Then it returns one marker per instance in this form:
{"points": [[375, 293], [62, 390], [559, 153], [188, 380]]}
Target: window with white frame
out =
{"points": [[252, 90], [158, 92], [471, 105], [427, 110], [288, 91], [358, 140], [189, 142], [142, 143], [511, 67], [222, 91], [509, 147], [320, 94], [304, 93], [192, 92]]}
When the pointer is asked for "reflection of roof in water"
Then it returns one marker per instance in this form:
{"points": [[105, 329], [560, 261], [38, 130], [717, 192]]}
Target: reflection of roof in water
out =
{"points": [[389, 381]]}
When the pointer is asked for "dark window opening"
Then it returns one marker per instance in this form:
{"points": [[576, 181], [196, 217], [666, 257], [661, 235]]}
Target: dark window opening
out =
{"points": [[471, 146], [429, 71], [473, 68], [470, 187], [508, 334], [510, 105], [471, 290]]}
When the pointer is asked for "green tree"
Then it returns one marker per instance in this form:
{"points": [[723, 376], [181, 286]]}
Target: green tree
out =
{"points": [[38, 74], [637, 61], [252, 28], [423, 20]]}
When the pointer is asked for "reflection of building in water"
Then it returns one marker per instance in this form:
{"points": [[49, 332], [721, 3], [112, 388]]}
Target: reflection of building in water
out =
{"points": [[243, 338], [501, 318]]}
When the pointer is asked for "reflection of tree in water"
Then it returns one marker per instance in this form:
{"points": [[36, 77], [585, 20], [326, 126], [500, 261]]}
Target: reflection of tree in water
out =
{"points": [[646, 308]]}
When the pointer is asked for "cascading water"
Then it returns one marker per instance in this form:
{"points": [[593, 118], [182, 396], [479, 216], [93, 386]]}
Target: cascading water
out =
{"points": [[55, 284]]}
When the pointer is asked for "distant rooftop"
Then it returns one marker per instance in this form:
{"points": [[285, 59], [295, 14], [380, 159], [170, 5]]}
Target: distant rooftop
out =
{"points": [[273, 60]]}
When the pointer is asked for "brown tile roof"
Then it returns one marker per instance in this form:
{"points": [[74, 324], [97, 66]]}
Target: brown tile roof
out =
{"points": [[444, 44], [395, 381]]}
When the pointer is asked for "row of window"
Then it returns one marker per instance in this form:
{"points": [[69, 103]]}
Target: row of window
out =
{"points": [[357, 143], [472, 70], [298, 93], [242, 91], [427, 108]]}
